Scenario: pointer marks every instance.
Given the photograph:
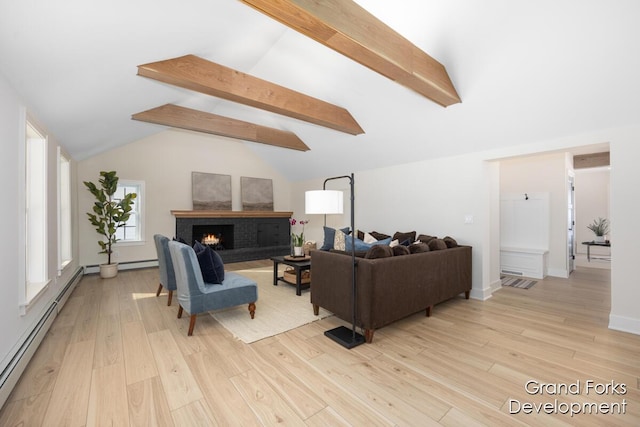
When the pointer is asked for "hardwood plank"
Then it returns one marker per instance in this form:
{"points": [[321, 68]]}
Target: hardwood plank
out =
{"points": [[377, 397], [70, 396], [265, 402], [178, 381], [198, 74], [289, 386], [29, 411], [139, 359], [193, 414], [108, 397], [349, 29], [200, 121], [226, 403], [148, 404], [108, 349], [43, 368]]}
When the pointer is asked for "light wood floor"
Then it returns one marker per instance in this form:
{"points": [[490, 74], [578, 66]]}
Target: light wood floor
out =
{"points": [[117, 355]]}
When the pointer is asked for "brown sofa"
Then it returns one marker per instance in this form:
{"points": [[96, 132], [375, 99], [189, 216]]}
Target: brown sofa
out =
{"points": [[388, 289]]}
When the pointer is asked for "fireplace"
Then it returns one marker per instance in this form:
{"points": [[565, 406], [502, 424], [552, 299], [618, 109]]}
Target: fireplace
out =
{"points": [[218, 236], [237, 236]]}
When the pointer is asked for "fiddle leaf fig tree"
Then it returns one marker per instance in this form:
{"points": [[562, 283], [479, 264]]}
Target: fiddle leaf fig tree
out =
{"points": [[108, 214]]}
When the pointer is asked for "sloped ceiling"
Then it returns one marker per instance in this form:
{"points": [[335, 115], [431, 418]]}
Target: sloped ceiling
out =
{"points": [[526, 72]]}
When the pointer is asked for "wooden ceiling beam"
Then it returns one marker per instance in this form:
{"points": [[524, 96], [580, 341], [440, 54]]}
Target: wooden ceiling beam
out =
{"points": [[347, 28], [194, 73], [594, 160], [199, 121]]}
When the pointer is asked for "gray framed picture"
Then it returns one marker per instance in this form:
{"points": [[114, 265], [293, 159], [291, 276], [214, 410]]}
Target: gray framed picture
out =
{"points": [[211, 191], [257, 194]]}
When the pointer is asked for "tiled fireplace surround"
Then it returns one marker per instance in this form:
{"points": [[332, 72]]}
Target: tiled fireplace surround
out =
{"points": [[255, 234]]}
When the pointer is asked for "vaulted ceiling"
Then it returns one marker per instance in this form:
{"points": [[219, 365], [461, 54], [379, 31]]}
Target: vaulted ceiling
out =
{"points": [[525, 72]]}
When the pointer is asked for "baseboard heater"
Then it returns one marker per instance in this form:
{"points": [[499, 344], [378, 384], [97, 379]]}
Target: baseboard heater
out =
{"points": [[511, 272], [15, 367]]}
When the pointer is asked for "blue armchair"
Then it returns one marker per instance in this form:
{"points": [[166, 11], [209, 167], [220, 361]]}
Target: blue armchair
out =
{"points": [[195, 296], [165, 265]]}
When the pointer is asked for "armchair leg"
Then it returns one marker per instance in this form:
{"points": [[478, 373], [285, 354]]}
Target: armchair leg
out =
{"points": [[252, 309], [159, 290], [467, 294], [179, 311], [170, 297], [428, 313], [316, 309], [192, 324]]}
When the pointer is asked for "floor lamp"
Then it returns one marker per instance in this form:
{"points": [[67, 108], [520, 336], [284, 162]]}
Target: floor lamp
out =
{"points": [[331, 202]]}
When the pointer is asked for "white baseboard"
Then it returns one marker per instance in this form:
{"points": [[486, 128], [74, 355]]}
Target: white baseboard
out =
{"points": [[131, 265], [558, 272], [483, 294], [624, 324]]}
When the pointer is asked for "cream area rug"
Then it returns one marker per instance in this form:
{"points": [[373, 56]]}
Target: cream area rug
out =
{"points": [[278, 309]]}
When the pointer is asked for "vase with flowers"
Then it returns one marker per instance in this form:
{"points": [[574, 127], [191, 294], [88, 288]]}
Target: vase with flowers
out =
{"points": [[297, 240]]}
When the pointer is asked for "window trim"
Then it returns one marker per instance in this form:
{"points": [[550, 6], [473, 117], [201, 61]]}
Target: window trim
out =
{"points": [[139, 211], [63, 261]]}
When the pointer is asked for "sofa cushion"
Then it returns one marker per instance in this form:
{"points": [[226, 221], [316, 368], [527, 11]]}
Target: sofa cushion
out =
{"points": [[379, 236], [211, 264], [451, 242], [363, 246], [418, 247], [379, 251], [437, 244], [404, 236], [400, 250], [329, 237], [425, 238]]}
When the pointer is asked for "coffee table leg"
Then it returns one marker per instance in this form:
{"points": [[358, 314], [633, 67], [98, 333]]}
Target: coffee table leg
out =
{"points": [[298, 280], [275, 273]]}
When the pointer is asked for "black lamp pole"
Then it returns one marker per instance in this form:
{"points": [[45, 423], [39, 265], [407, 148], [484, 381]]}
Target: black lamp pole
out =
{"points": [[342, 335]]}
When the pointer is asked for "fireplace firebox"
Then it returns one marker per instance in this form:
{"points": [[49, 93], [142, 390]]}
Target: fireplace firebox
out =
{"points": [[219, 236]]}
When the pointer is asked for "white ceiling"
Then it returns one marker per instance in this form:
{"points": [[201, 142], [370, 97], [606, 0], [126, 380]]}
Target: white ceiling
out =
{"points": [[526, 72]]}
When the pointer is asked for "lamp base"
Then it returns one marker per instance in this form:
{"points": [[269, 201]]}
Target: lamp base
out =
{"points": [[345, 337]]}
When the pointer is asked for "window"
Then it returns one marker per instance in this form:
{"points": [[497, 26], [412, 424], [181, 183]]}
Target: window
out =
{"points": [[133, 230], [64, 211], [35, 156]]}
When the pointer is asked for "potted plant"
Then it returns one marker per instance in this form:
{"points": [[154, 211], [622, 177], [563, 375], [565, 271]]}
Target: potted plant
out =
{"points": [[600, 228], [108, 215], [297, 240]]}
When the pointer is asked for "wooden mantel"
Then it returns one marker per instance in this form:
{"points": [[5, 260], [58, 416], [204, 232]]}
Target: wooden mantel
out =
{"points": [[230, 214]]}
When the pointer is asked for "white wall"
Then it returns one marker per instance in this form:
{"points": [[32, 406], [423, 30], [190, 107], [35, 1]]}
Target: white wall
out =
{"points": [[15, 326], [591, 201], [625, 176], [543, 174], [431, 197], [164, 162]]}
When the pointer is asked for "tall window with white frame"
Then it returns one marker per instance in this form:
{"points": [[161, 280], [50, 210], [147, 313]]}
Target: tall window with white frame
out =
{"points": [[35, 212], [133, 230], [65, 252]]}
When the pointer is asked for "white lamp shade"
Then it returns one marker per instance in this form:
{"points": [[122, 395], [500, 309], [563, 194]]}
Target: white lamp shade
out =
{"points": [[323, 202]]}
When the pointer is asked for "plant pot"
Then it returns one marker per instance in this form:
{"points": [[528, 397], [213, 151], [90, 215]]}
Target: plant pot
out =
{"points": [[599, 239], [298, 251], [107, 271]]}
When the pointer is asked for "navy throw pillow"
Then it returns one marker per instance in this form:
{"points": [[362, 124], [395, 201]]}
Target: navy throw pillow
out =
{"points": [[211, 264]]}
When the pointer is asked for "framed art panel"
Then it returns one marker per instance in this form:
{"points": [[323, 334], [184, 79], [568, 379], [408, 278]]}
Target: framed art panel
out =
{"points": [[257, 194], [211, 191]]}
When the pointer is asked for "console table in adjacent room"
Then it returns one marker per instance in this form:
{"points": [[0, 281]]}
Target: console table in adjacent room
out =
{"points": [[606, 244]]}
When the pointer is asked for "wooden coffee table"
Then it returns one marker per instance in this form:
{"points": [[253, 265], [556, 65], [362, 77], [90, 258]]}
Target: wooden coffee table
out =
{"points": [[298, 264]]}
